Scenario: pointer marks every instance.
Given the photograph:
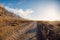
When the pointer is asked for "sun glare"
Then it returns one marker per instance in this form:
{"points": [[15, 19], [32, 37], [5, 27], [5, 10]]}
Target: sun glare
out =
{"points": [[49, 13]]}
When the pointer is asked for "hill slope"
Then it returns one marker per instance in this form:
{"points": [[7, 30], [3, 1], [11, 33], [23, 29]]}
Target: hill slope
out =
{"points": [[13, 27]]}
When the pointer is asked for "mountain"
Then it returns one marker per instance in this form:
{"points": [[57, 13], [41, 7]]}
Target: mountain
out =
{"points": [[13, 27], [5, 15]]}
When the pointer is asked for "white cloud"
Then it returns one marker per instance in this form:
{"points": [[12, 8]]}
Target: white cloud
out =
{"points": [[20, 12]]}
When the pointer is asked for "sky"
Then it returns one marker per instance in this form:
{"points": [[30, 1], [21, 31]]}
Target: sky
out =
{"points": [[34, 9]]}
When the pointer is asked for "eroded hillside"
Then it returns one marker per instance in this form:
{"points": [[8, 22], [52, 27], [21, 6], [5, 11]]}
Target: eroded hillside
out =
{"points": [[48, 30]]}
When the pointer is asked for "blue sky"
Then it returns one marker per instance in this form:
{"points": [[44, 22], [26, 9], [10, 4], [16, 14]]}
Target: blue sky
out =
{"points": [[34, 9]]}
